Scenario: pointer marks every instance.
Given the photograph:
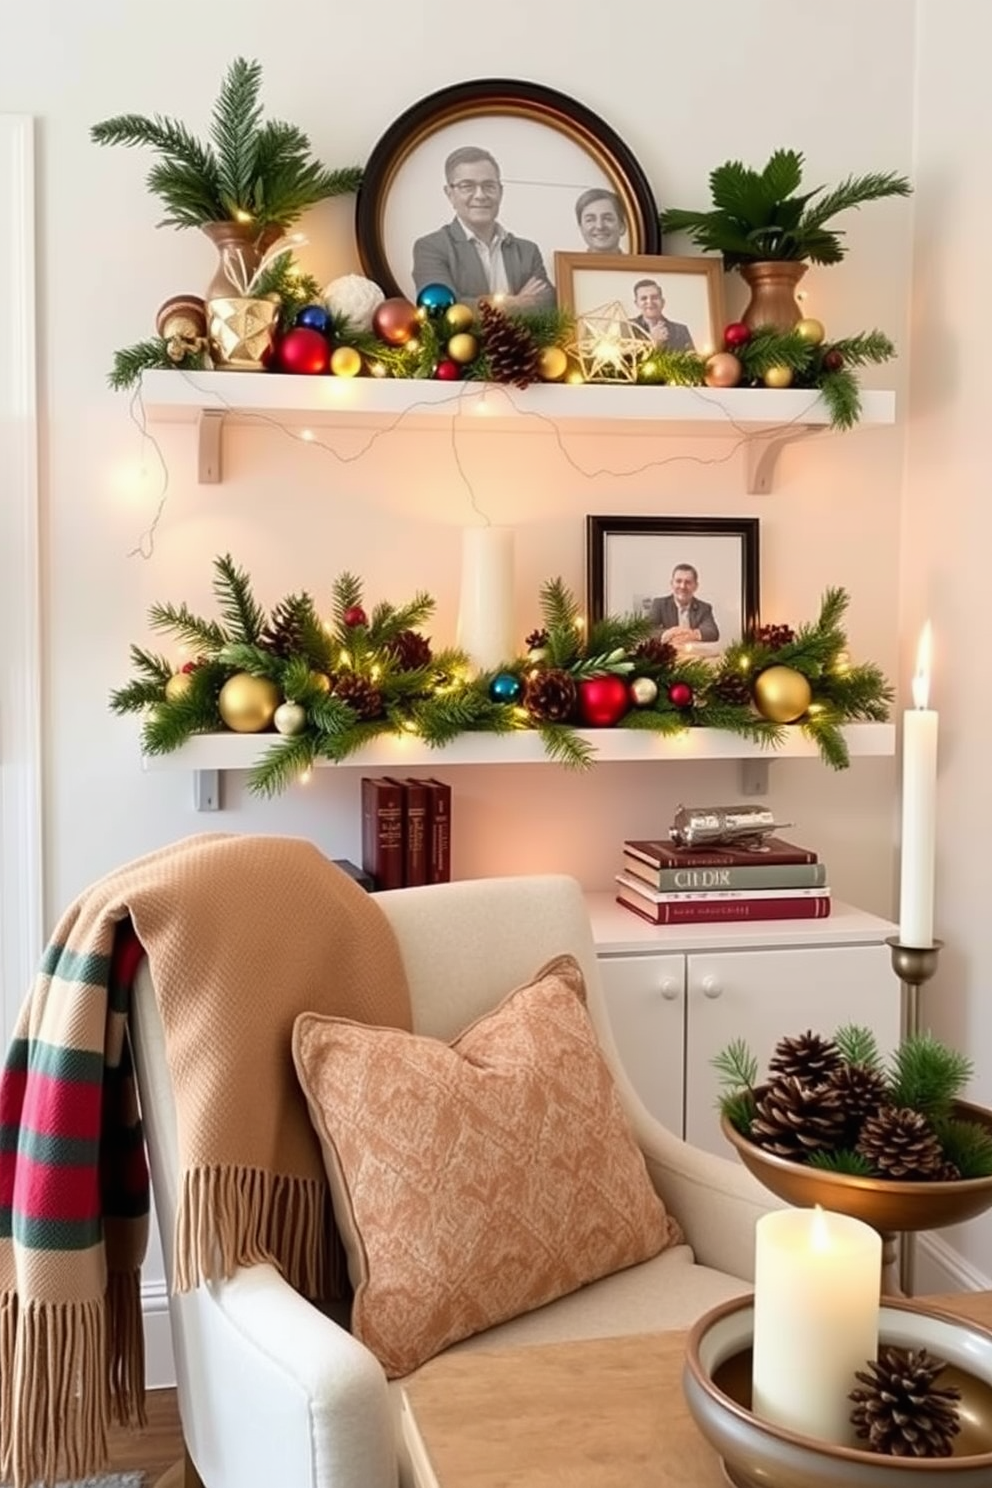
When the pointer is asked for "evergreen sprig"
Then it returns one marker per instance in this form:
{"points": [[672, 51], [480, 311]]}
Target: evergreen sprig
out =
{"points": [[843, 1160], [926, 1075], [282, 276], [857, 1044], [148, 356], [966, 1145], [242, 612], [736, 1065]]}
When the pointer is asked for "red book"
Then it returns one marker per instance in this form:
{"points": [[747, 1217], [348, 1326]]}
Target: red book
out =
{"points": [[667, 855], [438, 831], [415, 834], [712, 911], [382, 831]]}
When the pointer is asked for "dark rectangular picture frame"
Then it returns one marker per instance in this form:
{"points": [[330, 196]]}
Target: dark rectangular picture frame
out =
{"points": [[657, 545]]}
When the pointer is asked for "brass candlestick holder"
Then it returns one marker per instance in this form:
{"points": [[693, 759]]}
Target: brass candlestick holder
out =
{"points": [[914, 966]]}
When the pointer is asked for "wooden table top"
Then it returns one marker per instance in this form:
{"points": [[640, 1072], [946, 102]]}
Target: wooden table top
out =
{"points": [[598, 1413]]}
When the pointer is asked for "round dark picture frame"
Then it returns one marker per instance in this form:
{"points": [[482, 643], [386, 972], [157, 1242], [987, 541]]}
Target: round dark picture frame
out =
{"points": [[499, 98]]}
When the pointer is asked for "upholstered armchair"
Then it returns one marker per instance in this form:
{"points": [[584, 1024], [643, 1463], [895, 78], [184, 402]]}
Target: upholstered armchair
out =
{"points": [[273, 1390]]}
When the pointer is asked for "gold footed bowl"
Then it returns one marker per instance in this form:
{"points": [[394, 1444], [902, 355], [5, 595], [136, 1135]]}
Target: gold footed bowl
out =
{"points": [[716, 1382], [886, 1204]]}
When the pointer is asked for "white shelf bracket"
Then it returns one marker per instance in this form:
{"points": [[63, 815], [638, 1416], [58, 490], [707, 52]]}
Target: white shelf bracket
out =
{"points": [[208, 462], [761, 452], [753, 777], [206, 790]]}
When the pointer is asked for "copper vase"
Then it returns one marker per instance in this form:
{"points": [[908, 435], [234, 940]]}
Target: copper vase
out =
{"points": [[248, 242], [773, 293]]}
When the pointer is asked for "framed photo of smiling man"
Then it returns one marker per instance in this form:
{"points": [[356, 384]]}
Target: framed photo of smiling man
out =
{"points": [[478, 186], [670, 302]]}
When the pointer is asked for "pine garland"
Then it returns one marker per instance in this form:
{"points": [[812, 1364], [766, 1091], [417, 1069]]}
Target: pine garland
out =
{"points": [[145, 356], [338, 670]]}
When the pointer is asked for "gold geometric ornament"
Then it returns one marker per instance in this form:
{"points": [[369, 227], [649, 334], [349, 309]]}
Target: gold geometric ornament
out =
{"points": [[242, 331]]}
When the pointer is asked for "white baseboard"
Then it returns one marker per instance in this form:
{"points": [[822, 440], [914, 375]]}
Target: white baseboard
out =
{"points": [[940, 1268], [160, 1368]]}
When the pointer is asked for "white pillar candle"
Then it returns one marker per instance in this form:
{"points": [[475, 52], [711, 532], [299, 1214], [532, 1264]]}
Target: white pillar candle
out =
{"points": [[485, 610], [919, 807], [816, 1299]]}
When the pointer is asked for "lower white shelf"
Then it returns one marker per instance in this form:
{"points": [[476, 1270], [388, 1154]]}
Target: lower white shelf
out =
{"points": [[229, 751], [617, 931]]}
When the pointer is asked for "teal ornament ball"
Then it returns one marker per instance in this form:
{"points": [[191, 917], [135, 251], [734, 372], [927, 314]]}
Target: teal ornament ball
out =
{"points": [[435, 299], [504, 688], [315, 318]]}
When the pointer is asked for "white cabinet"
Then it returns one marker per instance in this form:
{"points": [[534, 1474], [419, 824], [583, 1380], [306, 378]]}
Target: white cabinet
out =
{"points": [[677, 996]]}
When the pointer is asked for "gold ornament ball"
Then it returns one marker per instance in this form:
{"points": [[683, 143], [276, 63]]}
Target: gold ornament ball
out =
{"points": [[777, 377], [289, 719], [247, 704], [458, 317], [552, 363], [321, 681], [810, 330], [782, 694], [177, 686], [643, 691], [723, 370], [463, 348], [345, 361]]}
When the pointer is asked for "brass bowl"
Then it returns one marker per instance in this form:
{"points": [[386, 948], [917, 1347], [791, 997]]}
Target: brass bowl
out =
{"points": [[716, 1382], [885, 1203]]}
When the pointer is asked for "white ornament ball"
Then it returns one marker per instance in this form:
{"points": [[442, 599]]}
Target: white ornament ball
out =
{"points": [[643, 691], [290, 718], [355, 298]]}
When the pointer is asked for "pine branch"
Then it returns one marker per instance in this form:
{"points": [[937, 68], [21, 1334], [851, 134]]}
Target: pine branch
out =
{"points": [[441, 718], [244, 616], [736, 1065], [841, 394], [346, 593], [330, 716], [152, 667], [167, 136], [189, 199], [145, 356], [338, 746], [655, 720], [771, 348], [237, 118], [389, 620], [615, 632], [608, 663], [869, 347], [565, 746], [283, 277], [857, 1044], [135, 696], [842, 1160], [927, 1075], [854, 192], [170, 724], [242, 656], [202, 636], [829, 740], [966, 1144], [281, 765]]}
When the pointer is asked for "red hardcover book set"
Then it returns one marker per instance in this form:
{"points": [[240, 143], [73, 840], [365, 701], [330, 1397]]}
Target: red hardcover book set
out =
{"points": [[668, 885], [406, 831]]}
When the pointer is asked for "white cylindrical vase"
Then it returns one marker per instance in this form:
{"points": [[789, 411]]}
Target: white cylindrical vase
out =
{"points": [[485, 611]]}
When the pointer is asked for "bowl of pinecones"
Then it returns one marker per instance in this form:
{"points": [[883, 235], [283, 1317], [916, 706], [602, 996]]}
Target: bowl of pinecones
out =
{"points": [[888, 1141], [921, 1412]]}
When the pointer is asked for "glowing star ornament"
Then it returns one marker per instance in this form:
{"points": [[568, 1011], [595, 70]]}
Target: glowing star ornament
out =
{"points": [[607, 345]]}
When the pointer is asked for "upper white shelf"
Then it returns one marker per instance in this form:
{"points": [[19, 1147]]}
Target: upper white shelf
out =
{"points": [[230, 751], [762, 419]]}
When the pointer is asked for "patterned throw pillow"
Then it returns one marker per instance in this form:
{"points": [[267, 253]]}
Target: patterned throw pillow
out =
{"points": [[476, 1180]]}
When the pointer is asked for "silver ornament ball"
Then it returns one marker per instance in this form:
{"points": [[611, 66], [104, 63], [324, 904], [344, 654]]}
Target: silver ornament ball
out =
{"points": [[290, 718], [643, 691]]}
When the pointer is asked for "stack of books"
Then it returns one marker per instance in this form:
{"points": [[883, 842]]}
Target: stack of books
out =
{"points": [[686, 886], [406, 831]]}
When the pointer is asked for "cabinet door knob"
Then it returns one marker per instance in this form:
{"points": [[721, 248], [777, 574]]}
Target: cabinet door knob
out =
{"points": [[670, 989], [711, 987]]}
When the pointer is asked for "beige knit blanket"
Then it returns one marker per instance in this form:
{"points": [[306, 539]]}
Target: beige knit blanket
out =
{"points": [[242, 933]]}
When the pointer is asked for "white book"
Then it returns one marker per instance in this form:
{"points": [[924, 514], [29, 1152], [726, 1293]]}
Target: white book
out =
{"points": [[683, 896]]}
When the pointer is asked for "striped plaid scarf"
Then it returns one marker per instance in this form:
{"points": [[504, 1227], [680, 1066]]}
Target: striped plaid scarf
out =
{"points": [[241, 934]]}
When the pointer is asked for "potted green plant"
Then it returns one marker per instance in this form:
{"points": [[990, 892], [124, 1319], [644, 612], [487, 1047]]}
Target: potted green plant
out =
{"points": [[245, 185], [769, 230]]}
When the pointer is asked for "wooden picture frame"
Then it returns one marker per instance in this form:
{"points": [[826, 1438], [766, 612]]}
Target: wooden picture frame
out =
{"points": [[686, 303], [631, 564], [547, 153]]}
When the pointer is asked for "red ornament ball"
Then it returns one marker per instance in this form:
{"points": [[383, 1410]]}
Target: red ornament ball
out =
{"points": [[447, 370], [680, 695], [396, 321], [355, 615], [736, 334], [603, 701], [303, 351], [833, 360]]}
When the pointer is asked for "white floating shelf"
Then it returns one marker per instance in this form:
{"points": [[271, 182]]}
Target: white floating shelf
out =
{"points": [[763, 419], [229, 751], [617, 931]]}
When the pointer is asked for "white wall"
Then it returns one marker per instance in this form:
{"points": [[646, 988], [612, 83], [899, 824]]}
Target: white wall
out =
{"points": [[686, 87], [947, 522]]}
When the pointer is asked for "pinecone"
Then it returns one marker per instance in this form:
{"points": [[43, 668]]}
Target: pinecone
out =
{"points": [[410, 650], [549, 696], [732, 688], [511, 349], [900, 1143], [899, 1412], [535, 639], [283, 635], [794, 1120], [657, 652], [359, 694], [809, 1057], [774, 636], [862, 1091]]}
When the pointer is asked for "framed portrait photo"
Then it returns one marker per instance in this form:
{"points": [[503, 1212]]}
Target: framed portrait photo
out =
{"points": [[479, 185], [672, 303], [695, 578]]}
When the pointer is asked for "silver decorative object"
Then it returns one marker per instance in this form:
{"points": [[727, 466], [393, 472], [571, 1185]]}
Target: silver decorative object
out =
{"points": [[706, 826]]}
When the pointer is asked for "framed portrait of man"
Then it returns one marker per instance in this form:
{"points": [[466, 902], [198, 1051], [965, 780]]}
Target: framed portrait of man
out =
{"points": [[672, 303], [478, 186], [695, 578]]}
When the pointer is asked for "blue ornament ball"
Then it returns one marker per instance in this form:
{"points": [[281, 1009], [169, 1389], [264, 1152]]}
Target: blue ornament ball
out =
{"points": [[315, 318], [504, 688], [435, 299]]}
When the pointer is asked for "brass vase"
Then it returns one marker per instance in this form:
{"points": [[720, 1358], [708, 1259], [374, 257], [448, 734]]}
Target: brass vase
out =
{"points": [[773, 293], [243, 239]]}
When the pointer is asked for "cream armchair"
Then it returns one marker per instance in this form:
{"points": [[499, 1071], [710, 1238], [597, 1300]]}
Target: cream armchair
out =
{"points": [[272, 1390]]}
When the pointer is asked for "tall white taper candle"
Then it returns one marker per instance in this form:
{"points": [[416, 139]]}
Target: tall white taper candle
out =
{"points": [[816, 1297], [919, 807], [485, 610]]}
